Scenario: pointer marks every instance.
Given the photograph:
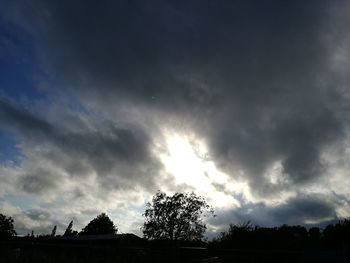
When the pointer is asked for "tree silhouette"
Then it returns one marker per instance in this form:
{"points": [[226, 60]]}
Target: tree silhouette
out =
{"points": [[99, 226], [53, 232], [69, 231], [177, 217], [6, 227]]}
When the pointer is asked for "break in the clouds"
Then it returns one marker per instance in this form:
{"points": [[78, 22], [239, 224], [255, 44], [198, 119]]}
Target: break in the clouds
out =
{"points": [[245, 102]]}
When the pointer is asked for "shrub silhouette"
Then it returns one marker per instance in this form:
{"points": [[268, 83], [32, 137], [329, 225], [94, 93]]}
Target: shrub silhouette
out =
{"points": [[100, 225]]}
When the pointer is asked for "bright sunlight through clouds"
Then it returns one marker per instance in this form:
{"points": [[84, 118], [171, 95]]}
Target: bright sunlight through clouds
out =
{"points": [[187, 159]]}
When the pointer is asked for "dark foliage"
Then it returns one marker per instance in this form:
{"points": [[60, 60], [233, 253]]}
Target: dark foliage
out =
{"points": [[284, 237], [69, 231], [248, 236], [53, 232], [101, 225], [338, 234], [6, 227], [177, 217]]}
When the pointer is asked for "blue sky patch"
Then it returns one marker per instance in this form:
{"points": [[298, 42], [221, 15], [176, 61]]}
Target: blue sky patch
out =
{"points": [[9, 152]]}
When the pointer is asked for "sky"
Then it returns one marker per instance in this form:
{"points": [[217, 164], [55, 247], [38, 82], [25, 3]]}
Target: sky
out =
{"points": [[245, 103]]}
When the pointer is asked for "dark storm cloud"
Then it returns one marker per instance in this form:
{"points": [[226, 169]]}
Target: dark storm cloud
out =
{"points": [[249, 76], [16, 119], [160, 49], [304, 210], [120, 156]]}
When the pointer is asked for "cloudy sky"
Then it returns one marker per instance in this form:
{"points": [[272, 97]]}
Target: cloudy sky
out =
{"points": [[243, 102]]}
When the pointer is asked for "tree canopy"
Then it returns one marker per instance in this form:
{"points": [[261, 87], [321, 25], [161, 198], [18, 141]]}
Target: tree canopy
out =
{"points": [[6, 227], [100, 225], [177, 217]]}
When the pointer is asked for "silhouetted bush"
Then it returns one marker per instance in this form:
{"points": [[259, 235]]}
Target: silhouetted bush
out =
{"points": [[100, 225]]}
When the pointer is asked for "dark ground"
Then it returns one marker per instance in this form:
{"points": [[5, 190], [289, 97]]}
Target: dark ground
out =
{"points": [[54, 250]]}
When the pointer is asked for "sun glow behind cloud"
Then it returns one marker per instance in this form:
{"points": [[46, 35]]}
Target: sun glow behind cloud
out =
{"points": [[187, 160]]}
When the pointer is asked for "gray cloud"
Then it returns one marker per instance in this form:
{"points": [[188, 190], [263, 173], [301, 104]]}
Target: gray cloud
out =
{"points": [[36, 214], [120, 156], [35, 219], [38, 183], [301, 210], [43, 222]]}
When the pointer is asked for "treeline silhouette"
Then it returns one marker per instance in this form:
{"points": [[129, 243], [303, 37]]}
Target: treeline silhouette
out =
{"points": [[246, 235], [237, 236], [240, 243]]}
